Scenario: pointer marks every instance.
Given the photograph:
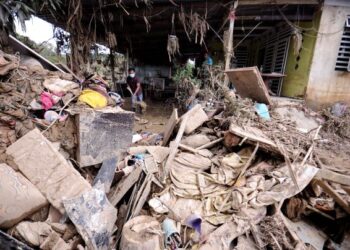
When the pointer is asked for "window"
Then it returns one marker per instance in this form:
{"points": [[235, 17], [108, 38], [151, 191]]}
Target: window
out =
{"points": [[343, 58]]}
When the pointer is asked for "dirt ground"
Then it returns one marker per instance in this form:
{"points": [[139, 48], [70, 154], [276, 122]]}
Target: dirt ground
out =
{"points": [[335, 152], [157, 114]]}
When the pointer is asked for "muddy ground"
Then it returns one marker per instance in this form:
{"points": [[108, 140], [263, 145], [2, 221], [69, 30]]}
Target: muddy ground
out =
{"points": [[157, 114]]}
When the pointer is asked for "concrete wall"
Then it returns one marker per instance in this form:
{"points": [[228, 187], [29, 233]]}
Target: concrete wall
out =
{"points": [[298, 66], [327, 86]]}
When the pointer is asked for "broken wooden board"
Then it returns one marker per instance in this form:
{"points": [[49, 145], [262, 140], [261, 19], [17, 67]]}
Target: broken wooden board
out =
{"points": [[169, 127], [106, 173], [158, 152], [249, 83], [254, 135], [175, 145], [329, 175], [93, 216], [307, 233], [331, 192], [18, 197], [150, 164], [124, 185], [109, 129], [196, 118], [142, 196], [46, 168]]}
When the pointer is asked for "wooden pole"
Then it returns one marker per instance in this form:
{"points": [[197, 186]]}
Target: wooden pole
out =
{"points": [[112, 66], [229, 52]]}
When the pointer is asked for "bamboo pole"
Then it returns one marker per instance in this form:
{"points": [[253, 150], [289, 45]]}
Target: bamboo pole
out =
{"points": [[229, 52]]}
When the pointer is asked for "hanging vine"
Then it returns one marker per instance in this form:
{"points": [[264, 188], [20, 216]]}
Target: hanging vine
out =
{"points": [[194, 25]]}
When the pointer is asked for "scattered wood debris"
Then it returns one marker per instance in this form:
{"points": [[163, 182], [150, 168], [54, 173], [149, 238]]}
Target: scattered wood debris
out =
{"points": [[216, 178]]}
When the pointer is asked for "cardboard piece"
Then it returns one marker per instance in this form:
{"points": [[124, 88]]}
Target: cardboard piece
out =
{"points": [[47, 169], [249, 83]]}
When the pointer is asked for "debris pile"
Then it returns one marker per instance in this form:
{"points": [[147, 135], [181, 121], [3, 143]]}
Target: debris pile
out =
{"points": [[231, 176]]}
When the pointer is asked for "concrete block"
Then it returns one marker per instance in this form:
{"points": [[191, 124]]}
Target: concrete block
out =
{"points": [[102, 133], [18, 197], [47, 169]]}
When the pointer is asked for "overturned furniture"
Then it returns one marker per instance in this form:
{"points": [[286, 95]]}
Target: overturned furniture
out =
{"points": [[109, 129]]}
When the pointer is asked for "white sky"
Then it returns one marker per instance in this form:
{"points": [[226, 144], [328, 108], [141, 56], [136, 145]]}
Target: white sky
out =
{"points": [[37, 30]]}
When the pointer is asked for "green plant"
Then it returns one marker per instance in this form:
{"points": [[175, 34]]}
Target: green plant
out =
{"points": [[11, 10], [184, 76], [22, 10]]}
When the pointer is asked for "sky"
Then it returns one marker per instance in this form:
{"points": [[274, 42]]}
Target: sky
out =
{"points": [[37, 30]]}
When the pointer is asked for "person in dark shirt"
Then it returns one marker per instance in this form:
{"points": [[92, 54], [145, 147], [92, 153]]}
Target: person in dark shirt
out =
{"points": [[135, 88]]}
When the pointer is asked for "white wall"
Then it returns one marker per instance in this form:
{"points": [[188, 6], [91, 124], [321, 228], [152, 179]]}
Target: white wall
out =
{"points": [[327, 86]]}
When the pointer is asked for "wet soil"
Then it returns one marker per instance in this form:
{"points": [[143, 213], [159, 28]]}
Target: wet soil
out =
{"points": [[156, 115]]}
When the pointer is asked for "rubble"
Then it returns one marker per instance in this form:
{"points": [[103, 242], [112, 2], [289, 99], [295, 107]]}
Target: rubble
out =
{"points": [[19, 198], [97, 129], [219, 177], [52, 175]]}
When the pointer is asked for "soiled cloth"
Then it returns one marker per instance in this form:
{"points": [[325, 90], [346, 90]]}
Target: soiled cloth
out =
{"points": [[221, 198], [93, 98]]}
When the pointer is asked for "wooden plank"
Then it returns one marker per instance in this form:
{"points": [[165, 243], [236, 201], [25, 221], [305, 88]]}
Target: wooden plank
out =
{"points": [[123, 186], [254, 135], [106, 173], [174, 147], [331, 192], [143, 197], [197, 117], [169, 127], [34, 54], [249, 83], [329, 175], [210, 144]]}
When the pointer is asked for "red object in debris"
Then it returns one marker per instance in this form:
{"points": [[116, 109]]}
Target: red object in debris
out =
{"points": [[46, 100]]}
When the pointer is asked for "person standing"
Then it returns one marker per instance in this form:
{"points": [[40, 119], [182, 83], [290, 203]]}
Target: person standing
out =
{"points": [[208, 60], [134, 86]]}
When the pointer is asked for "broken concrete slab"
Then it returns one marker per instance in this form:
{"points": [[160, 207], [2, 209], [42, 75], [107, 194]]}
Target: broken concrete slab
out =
{"points": [[47, 169], [102, 134], [196, 118], [93, 216], [18, 197], [249, 83], [54, 215], [106, 173], [33, 233], [54, 242]]}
